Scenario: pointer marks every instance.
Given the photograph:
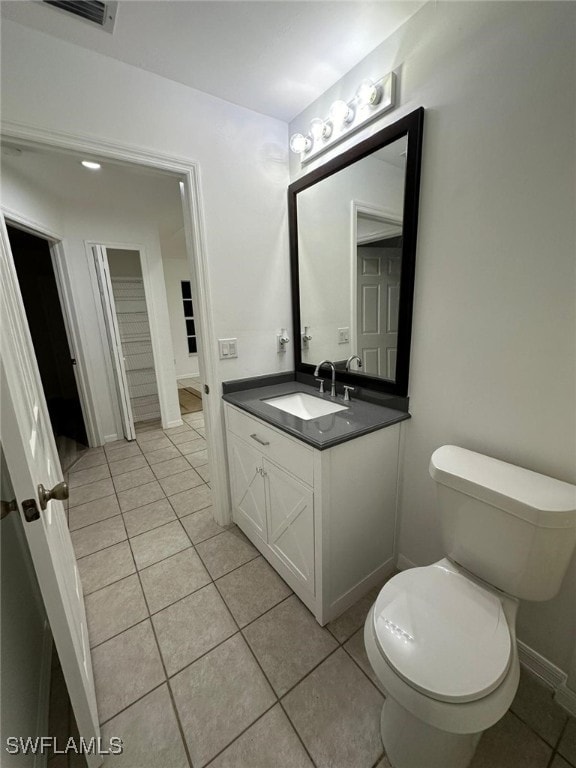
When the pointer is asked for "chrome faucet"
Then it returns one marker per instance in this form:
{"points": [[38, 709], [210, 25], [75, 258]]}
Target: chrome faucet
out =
{"points": [[350, 359], [331, 364]]}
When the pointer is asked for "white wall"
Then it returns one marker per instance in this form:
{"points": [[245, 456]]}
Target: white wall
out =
{"points": [[26, 197], [176, 270], [494, 337], [50, 84]]}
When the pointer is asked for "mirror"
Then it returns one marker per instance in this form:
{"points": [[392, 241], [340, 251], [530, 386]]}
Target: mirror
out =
{"points": [[352, 245]]}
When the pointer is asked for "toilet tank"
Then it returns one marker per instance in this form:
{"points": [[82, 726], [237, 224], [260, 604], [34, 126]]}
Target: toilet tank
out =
{"points": [[511, 527]]}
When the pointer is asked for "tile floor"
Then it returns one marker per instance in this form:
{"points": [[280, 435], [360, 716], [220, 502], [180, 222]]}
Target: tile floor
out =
{"points": [[203, 656]]}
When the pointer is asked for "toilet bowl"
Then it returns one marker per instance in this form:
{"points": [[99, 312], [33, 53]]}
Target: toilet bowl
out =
{"points": [[442, 639], [444, 649]]}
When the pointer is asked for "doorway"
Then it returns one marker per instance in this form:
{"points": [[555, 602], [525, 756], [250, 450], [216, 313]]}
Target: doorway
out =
{"points": [[191, 264], [39, 288], [190, 386]]}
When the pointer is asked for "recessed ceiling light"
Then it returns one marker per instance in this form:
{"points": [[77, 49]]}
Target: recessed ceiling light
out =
{"points": [[89, 164]]}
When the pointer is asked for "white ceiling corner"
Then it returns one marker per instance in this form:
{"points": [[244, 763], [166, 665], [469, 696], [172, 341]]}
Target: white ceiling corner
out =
{"points": [[272, 56]]}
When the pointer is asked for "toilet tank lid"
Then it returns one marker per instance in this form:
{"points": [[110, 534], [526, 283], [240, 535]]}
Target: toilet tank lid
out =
{"points": [[538, 499]]}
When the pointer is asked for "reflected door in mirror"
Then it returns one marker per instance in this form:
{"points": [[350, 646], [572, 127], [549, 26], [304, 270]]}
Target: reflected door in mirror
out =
{"points": [[378, 290]]}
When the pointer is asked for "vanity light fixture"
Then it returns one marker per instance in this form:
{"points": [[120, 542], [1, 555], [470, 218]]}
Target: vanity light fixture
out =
{"points": [[341, 113], [368, 93], [91, 165], [320, 129], [300, 143], [372, 99]]}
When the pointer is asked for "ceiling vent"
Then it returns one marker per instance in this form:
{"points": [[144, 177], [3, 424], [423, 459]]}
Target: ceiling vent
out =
{"points": [[99, 13]]}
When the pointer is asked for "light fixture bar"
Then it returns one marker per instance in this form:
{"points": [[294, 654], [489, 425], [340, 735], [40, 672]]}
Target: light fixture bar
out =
{"points": [[372, 99]]}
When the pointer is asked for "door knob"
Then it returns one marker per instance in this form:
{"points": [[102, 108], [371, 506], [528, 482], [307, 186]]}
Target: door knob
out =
{"points": [[60, 492]]}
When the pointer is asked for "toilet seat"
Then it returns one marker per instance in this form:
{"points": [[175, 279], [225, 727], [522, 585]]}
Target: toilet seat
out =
{"points": [[443, 634]]}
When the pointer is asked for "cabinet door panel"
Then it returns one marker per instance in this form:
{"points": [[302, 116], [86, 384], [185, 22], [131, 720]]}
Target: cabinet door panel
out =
{"points": [[291, 523], [248, 496]]}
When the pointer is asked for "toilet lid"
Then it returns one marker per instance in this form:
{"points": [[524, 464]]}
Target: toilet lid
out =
{"points": [[443, 634]]}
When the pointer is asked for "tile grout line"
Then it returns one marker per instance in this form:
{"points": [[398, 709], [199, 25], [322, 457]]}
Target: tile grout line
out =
{"points": [[555, 749], [235, 739], [340, 644], [160, 656], [366, 675], [169, 677], [121, 513], [278, 700]]}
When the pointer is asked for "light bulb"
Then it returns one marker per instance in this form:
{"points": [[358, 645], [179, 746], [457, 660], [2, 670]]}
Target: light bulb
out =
{"points": [[341, 113], [368, 94], [320, 129], [300, 143], [91, 165]]}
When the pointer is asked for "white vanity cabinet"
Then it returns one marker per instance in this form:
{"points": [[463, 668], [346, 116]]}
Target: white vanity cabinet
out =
{"points": [[325, 520]]}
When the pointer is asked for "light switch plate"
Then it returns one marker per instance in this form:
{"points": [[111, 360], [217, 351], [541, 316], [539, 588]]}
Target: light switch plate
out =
{"points": [[227, 348], [343, 335]]}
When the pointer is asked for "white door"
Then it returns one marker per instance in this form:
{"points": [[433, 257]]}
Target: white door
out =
{"points": [[30, 451], [378, 287], [114, 340]]}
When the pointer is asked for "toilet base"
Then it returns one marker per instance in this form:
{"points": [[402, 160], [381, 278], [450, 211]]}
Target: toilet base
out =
{"points": [[411, 743]]}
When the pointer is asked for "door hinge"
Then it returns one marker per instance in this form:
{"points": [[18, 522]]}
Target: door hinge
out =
{"points": [[73, 360], [206, 389]]}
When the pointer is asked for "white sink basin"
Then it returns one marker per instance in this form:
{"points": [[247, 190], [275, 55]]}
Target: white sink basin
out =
{"points": [[304, 406]]}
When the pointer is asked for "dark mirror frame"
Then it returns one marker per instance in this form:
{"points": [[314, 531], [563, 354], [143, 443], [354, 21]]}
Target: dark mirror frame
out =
{"points": [[410, 126]]}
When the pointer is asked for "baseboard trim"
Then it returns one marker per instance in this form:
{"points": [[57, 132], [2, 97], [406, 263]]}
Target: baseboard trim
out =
{"points": [[111, 438], [174, 423], [540, 666], [354, 594], [403, 563]]}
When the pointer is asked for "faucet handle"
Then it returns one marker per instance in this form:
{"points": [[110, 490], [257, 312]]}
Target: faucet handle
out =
{"points": [[321, 382], [347, 391]]}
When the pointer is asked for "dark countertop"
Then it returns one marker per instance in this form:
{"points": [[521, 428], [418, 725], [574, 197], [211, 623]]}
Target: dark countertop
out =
{"points": [[360, 418]]}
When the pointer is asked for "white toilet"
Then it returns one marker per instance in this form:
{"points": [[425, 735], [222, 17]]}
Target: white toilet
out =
{"points": [[442, 639]]}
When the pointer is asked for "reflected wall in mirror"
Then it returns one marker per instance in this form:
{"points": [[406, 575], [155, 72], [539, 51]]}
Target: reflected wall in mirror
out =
{"points": [[352, 240]]}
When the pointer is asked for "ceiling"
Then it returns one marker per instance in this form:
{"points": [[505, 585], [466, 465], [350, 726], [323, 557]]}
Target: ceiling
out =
{"points": [[272, 56], [60, 177]]}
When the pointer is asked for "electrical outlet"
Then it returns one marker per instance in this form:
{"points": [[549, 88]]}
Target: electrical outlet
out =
{"points": [[343, 335], [227, 348]]}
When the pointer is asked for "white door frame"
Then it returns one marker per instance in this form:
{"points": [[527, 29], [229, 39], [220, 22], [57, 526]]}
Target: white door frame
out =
{"points": [[359, 209], [189, 173], [54, 239]]}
